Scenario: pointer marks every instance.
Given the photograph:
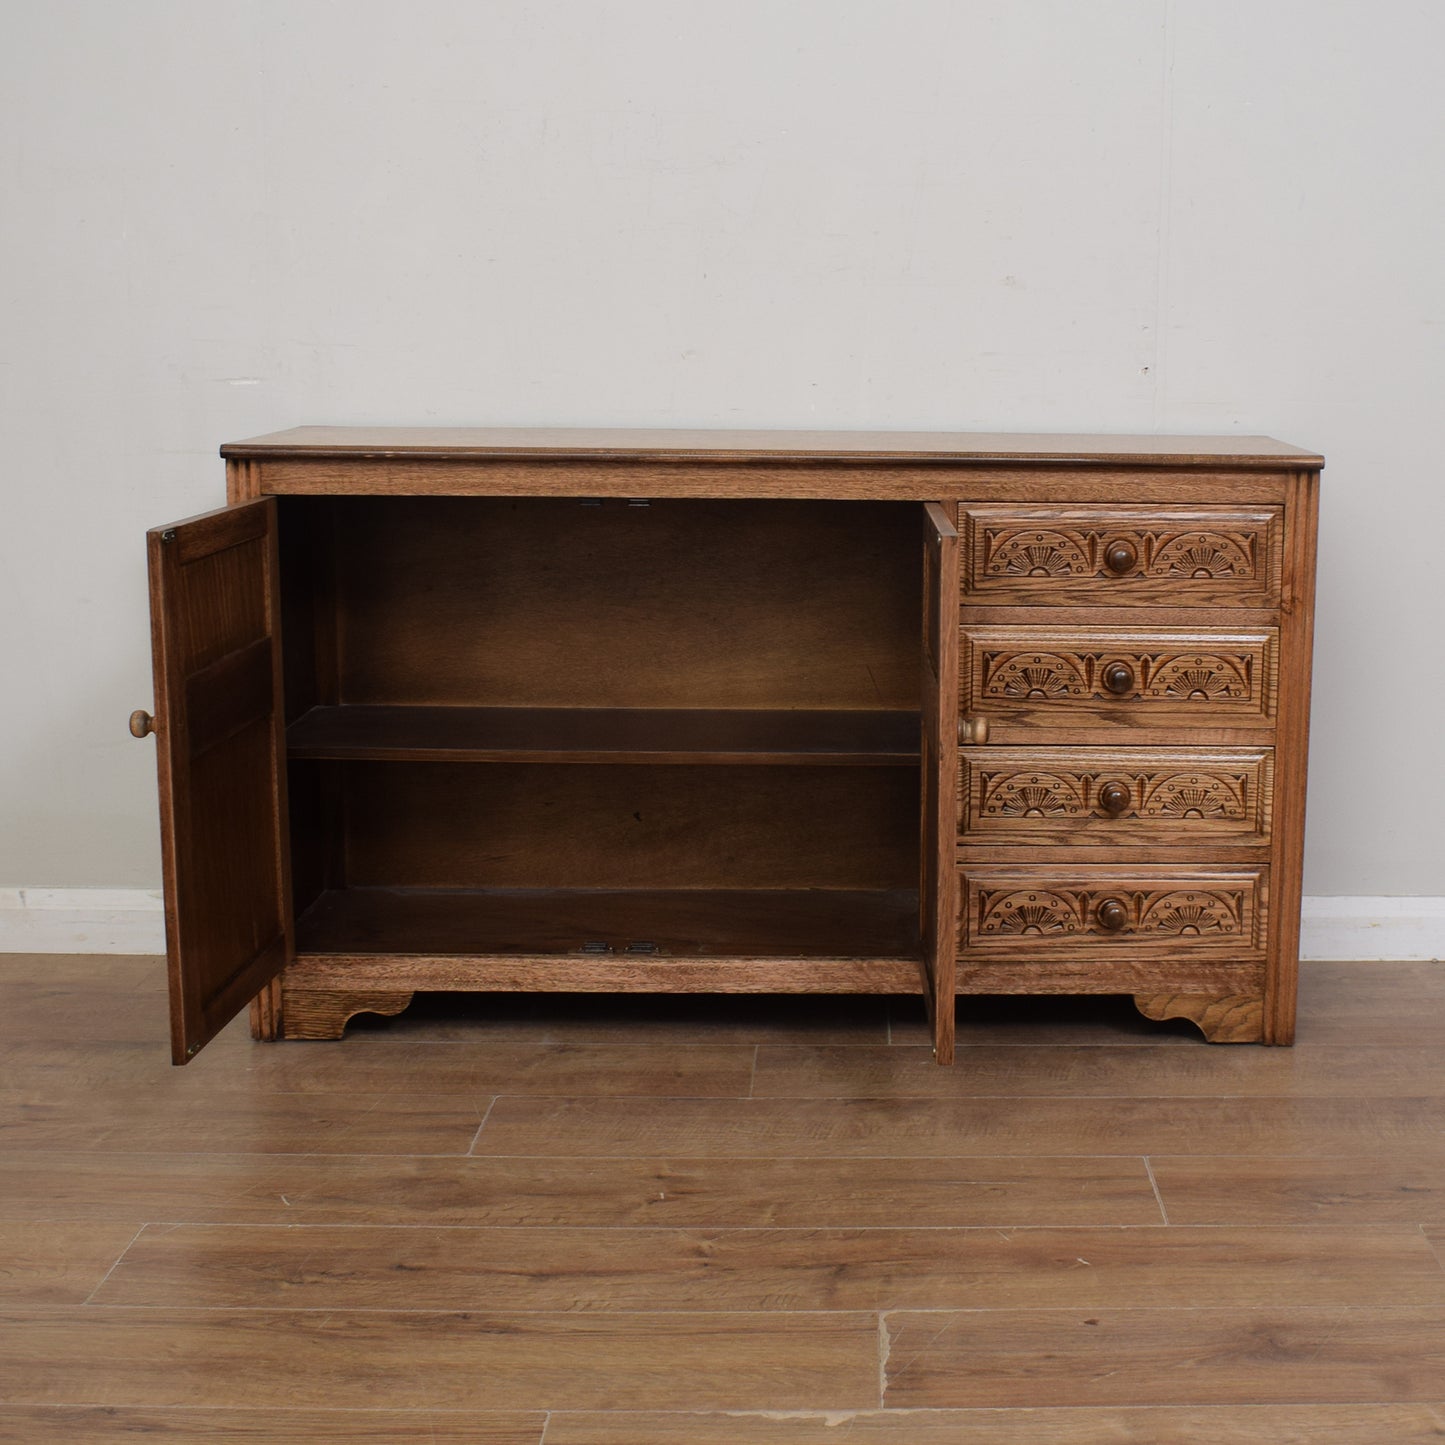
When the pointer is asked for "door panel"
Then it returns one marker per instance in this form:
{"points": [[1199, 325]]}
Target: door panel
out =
{"points": [[220, 755], [939, 881]]}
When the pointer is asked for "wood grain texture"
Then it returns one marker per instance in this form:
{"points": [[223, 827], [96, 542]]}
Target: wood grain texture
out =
{"points": [[143, 1120], [1222, 1018], [388, 1065], [579, 826], [1297, 645], [1117, 1425], [1045, 675], [1362, 1187], [416, 1360], [1274, 1273], [1100, 1071], [359, 1268], [242, 1425], [938, 666], [219, 749], [1098, 910], [677, 599], [542, 602], [1121, 555], [324, 1013], [1165, 1356], [1193, 799], [851, 1128], [56, 1263], [1368, 1003], [860, 738], [536, 1192]]}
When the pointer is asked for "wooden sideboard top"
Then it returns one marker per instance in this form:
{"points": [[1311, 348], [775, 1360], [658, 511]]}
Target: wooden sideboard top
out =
{"points": [[650, 444]]}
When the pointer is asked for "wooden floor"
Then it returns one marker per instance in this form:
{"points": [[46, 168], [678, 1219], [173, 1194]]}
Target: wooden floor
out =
{"points": [[722, 1221]]}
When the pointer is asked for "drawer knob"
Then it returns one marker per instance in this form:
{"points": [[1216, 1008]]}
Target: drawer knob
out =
{"points": [[141, 723], [1113, 916], [1121, 557], [972, 730], [1113, 798], [1119, 678]]}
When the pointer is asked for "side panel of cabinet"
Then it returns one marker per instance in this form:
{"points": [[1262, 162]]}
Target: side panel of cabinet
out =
{"points": [[939, 883], [221, 762]]}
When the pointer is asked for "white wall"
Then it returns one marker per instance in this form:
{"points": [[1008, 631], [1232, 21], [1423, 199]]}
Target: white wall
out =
{"points": [[1121, 215]]}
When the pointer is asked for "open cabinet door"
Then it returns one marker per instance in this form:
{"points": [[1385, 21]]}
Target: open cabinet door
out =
{"points": [[221, 759], [938, 893]]}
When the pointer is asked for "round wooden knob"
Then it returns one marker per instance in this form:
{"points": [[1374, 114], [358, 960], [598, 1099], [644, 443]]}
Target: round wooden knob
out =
{"points": [[1112, 914], [972, 730], [1121, 557], [1119, 678], [141, 723], [1114, 798]]}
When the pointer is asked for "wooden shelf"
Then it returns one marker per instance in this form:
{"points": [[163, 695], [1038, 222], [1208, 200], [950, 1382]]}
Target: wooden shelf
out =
{"points": [[554, 922], [606, 735]]}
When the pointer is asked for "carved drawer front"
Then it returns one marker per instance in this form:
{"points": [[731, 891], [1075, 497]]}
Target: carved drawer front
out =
{"points": [[1118, 556], [1112, 911], [1068, 677], [1115, 797]]}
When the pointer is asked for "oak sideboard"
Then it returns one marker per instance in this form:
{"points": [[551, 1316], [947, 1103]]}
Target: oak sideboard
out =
{"points": [[774, 712]]}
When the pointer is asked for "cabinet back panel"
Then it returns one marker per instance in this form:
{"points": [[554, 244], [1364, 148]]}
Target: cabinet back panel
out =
{"points": [[460, 825], [517, 602]]}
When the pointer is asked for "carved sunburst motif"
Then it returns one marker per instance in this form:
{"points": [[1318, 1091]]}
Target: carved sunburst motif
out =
{"points": [[1194, 795], [1036, 674], [1035, 554], [1208, 679], [1031, 795], [1038, 911], [1201, 555], [1184, 914]]}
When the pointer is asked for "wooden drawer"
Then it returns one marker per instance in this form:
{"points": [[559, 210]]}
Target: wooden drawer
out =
{"points": [[1115, 797], [1112, 911], [1120, 556], [1083, 677]]}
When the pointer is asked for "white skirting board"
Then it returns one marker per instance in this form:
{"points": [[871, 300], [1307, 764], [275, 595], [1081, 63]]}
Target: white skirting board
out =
{"points": [[129, 920], [81, 920]]}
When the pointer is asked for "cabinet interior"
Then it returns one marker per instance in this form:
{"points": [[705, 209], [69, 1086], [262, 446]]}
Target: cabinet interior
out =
{"points": [[543, 726]]}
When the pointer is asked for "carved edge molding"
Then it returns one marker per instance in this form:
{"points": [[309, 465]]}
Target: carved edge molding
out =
{"points": [[1221, 1018], [324, 1013]]}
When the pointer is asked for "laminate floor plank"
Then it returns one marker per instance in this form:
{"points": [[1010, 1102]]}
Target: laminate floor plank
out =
{"points": [[1367, 1188], [56, 1263], [383, 1065], [684, 1219], [86, 972], [327, 1268], [75, 1014], [106, 1425], [440, 1190], [1393, 1004], [912, 1127], [304, 1359], [983, 1071], [1122, 1425], [1004, 1359], [196, 1119]]}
